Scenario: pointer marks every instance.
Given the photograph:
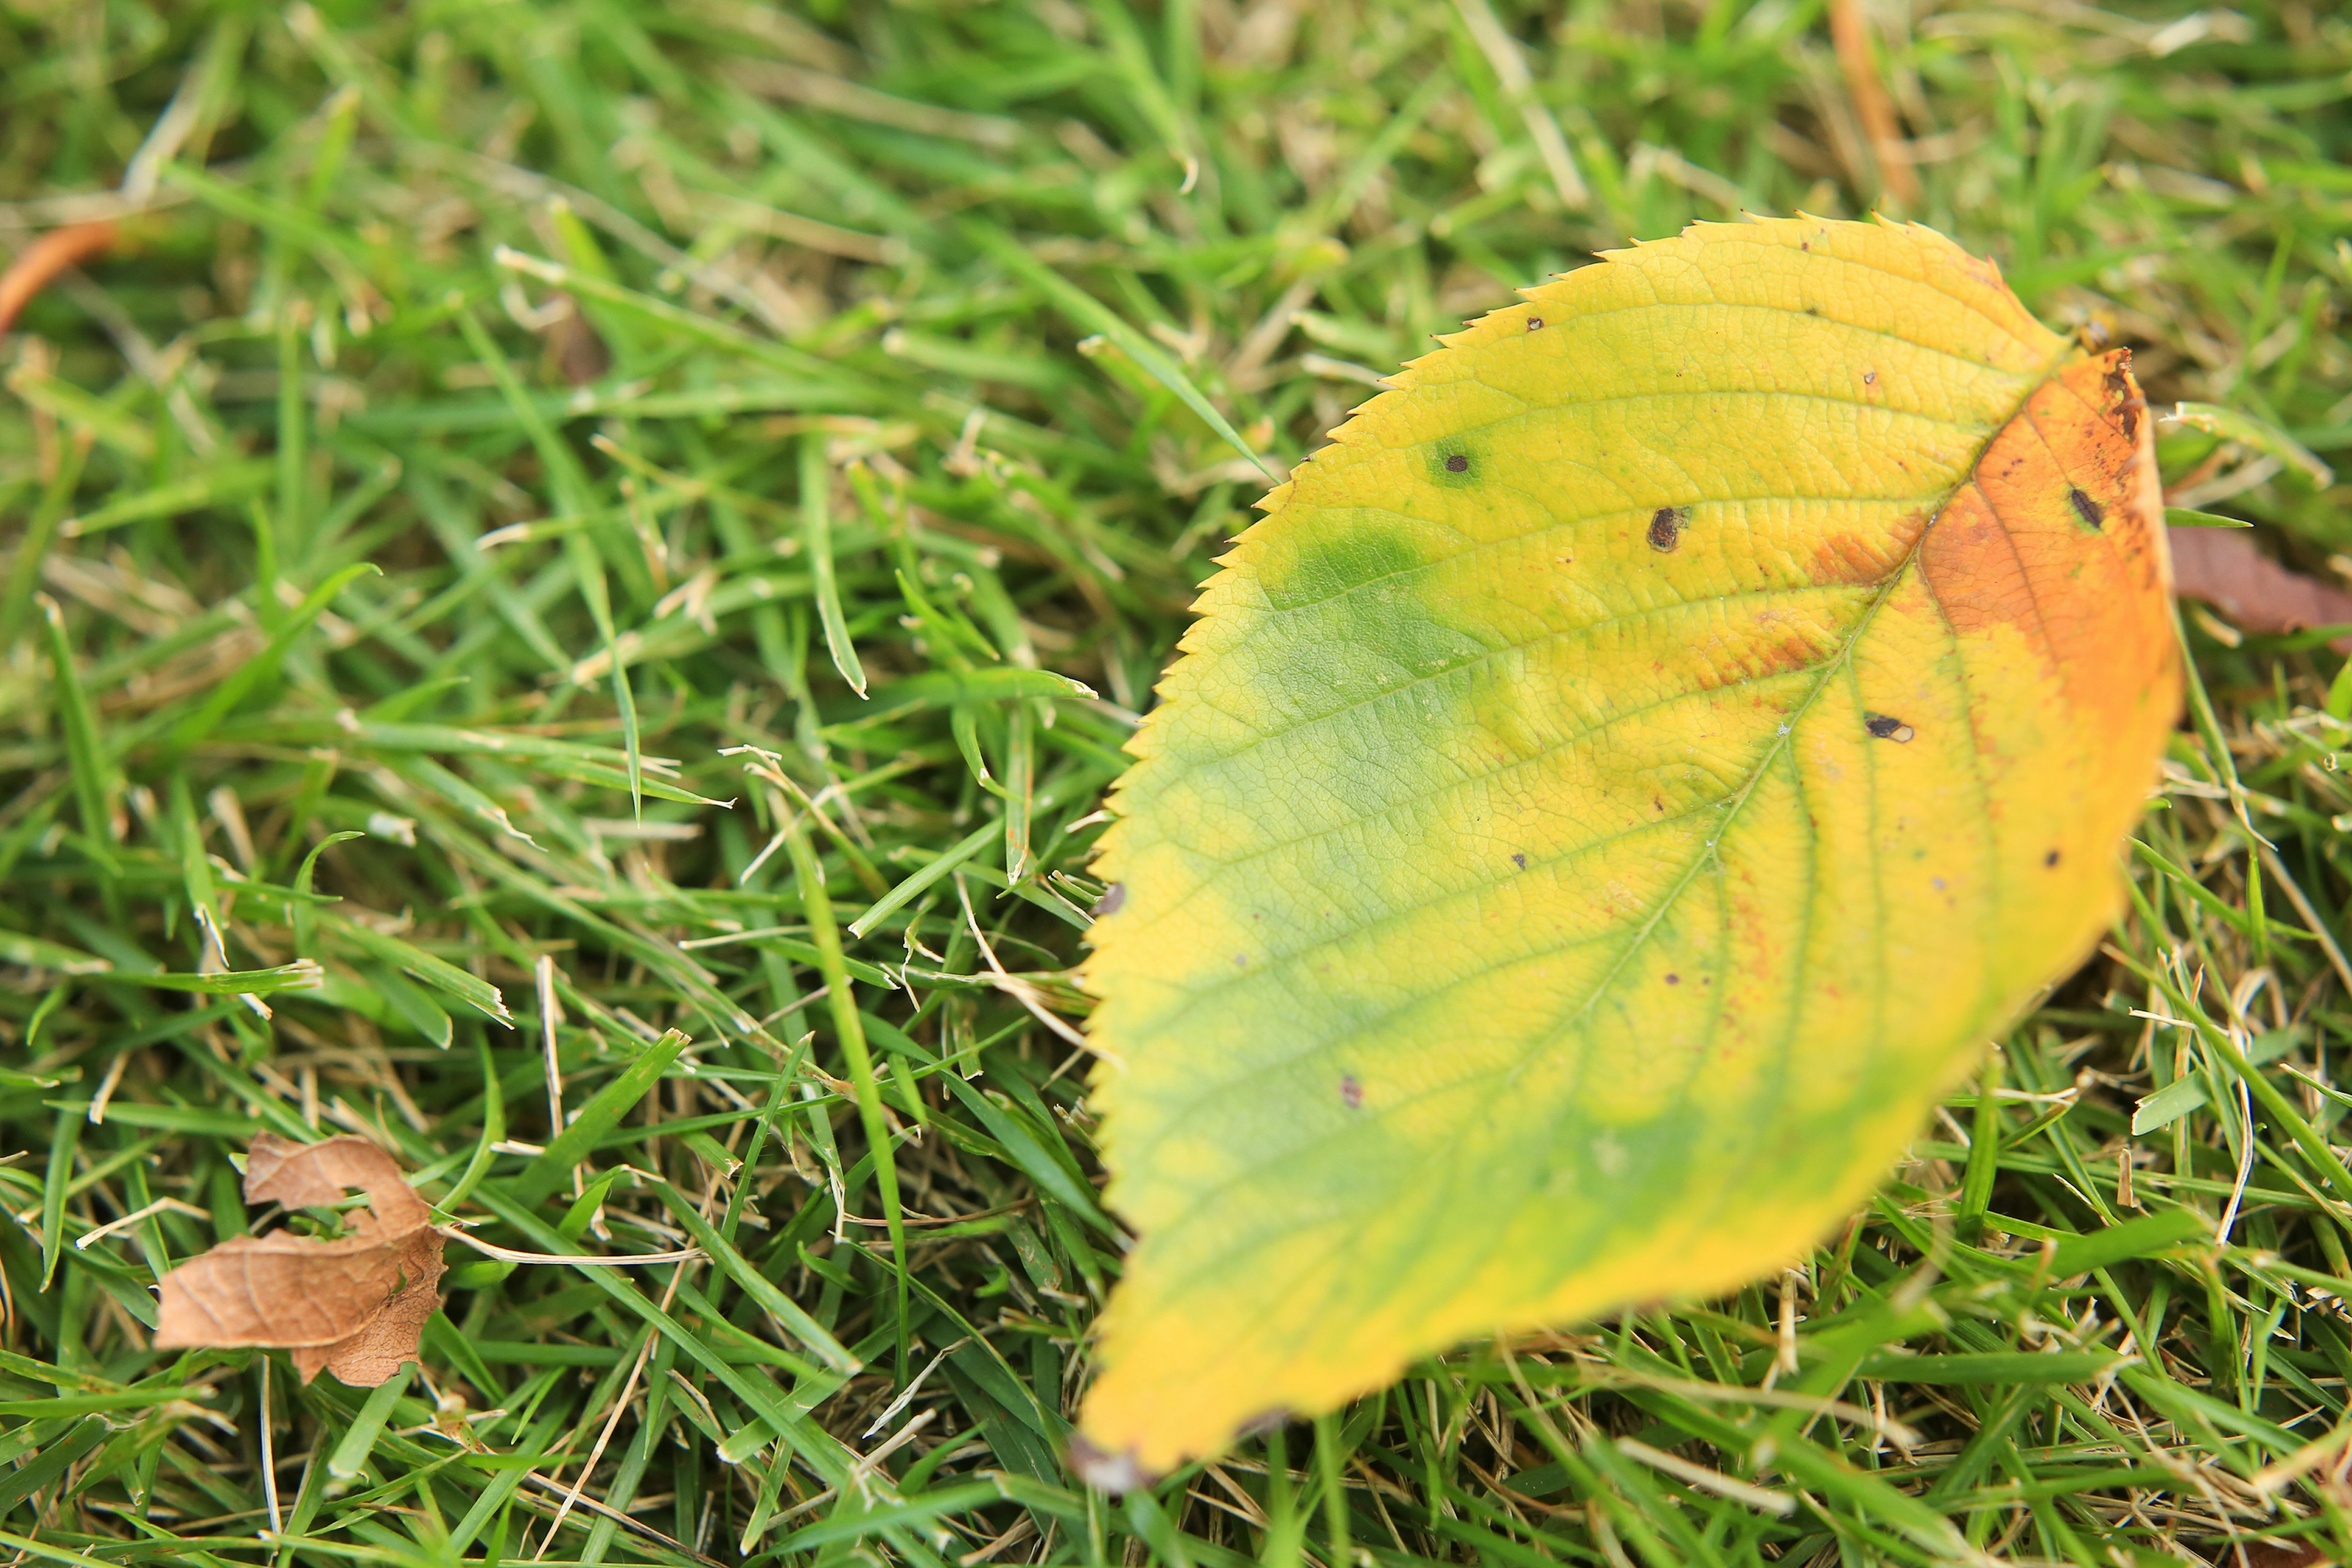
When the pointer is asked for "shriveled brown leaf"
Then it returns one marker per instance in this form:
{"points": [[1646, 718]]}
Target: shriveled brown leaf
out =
{"points": [[371, 1355], [2225, 568], [304, 1175], [39, 263], [2278, 1554], [577, 349], [354, 1305], [276, 1290]]}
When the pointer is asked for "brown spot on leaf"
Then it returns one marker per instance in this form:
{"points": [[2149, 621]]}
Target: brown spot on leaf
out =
{"points": [[2087, 509], [1351, 1091], [1886, 727], [1666, 527]]}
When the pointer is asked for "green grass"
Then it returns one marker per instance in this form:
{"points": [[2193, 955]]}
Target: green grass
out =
{"points": [[913, 346]]}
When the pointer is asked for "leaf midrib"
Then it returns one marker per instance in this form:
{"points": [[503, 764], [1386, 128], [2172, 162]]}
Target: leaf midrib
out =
{"points": [[1781, 742]]}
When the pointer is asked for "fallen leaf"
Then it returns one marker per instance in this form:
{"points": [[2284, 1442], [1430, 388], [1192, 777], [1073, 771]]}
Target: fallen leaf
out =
{"points": [[39, 263], [2226, 569], [576, 349], [353, 1305], [2274, 1553], [1616, 789]]}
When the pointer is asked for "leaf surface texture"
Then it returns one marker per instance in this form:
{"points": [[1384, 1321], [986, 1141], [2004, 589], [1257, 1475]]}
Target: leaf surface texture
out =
{"points": [[1624, 779]]}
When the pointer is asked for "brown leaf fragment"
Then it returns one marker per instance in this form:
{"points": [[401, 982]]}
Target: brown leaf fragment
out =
{"points": [[2278, 1554], [371, 1355], [40, 263], [354, 1305], [2225, 568], [306, 1175], [576, 349]]}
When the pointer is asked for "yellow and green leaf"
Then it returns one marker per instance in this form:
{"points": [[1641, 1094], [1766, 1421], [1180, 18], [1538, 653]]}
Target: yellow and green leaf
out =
{"points": [[1621, 783]]}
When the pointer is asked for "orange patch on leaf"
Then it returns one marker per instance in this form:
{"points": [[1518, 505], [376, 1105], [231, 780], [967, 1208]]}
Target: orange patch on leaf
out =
{"points": [[2059, 533]]}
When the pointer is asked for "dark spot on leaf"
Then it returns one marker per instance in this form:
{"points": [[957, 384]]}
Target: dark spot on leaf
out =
{"points": [[1813, 310], [1673, 980], [1869, 378], [2087, 509], [1521, 861], [1886, 727], [1666, 527], [2051, 858], [1459, 463], [1450, 463], [1535, 323], [1351, 1091], [1113, 897]]}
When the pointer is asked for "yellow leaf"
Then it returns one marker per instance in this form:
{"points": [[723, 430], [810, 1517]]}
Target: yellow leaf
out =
{"points": [[1623, 780]]}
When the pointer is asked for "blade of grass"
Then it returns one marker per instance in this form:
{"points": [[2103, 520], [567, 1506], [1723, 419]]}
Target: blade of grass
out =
{"points": [[849, 1031], [816, 537]]}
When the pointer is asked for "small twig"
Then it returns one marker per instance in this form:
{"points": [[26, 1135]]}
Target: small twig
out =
{"points": [[908, 1393], [1850, 32], [620, 1260], [1716, 1481], [620, 1404], [123, 1222], [1020, 990]]}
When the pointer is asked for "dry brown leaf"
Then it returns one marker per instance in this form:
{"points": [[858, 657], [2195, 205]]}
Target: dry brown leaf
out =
{"points": [[354, 1305], [576, 349], [2277, 1554], [42, 260], [2225, 568], [317, 1175], [371, 1355]]}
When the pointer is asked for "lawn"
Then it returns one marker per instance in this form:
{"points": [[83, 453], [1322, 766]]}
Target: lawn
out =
{"points": [[599, 558]]}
